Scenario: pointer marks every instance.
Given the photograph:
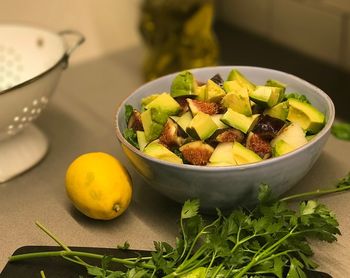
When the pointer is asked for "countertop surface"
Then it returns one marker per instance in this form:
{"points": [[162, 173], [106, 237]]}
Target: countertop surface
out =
{"points": [[80, 119]]}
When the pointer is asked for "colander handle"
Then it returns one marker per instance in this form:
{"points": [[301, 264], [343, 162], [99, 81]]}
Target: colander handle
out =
{"points": [[73, 39]]}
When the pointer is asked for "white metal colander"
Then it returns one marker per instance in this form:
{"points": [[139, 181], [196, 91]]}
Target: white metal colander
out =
{"points": [[31, 62]]}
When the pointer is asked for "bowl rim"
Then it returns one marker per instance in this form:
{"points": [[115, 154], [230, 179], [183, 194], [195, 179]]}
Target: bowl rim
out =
{"points": [[63, 58], [325, 130]]}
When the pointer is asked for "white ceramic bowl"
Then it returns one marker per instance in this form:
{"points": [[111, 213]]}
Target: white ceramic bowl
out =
{"points": [[229, 186]]}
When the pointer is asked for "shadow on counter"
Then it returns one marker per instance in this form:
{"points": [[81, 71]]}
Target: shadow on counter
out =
{"points": [[239, 47]]}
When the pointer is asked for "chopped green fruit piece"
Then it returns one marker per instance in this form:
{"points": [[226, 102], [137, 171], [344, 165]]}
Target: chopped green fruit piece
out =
{"points": [[240, 121], [241, 79], [201, 92], [293, 135], [185, 120], [238, 101], [279, 111], [201, 126], [281, 147], [214, 92], [151, 128], [306, 115], [184, 84], [275, 83], [165, 104], [223, 154], [217, 120], [242, 155], [266, 96], [141, 139], [232, 86], [157, 150], [147, 100]]}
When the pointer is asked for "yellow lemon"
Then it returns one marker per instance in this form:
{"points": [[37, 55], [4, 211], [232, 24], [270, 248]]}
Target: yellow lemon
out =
{"points": [[99, 185]]}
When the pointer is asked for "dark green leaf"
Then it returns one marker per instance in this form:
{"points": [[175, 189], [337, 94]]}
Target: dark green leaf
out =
{"points": [[298, 96], [128, 112], [341, 131], [131, 137], [95, 271], [344, 182], [295, 269], [125, 246], [190, 209]]}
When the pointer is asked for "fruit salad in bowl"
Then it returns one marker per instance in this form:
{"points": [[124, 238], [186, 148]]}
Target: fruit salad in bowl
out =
{"points": [[217, 133]]}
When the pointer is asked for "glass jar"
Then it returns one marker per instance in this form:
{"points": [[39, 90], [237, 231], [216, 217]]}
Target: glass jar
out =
{"points": [[178, 35]]}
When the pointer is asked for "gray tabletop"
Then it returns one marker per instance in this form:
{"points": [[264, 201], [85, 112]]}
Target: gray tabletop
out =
{"points": [[80, 119]]}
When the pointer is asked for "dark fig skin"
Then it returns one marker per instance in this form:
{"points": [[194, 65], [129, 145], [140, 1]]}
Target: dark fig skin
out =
{"points": [[268, 127], [217, 79]]}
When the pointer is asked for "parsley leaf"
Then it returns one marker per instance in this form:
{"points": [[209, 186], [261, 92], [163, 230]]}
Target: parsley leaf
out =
{"points": [[297, 96], [131, 136], [128, 112], [341, 131]]}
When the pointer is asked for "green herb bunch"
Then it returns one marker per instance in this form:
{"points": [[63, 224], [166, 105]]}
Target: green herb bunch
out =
{"points": [[270, 240]]}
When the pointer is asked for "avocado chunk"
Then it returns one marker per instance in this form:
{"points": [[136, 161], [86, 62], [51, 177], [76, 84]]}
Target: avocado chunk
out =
{"points": [[238, 101], [157, 150], [196, 152], [184, 84], [201, 92], [241, 79], [240, 121], [151, 128], [223, 154], [292, 135], [232, 86], [242, 155], [184, 120], [275, 83], [141, 139], [147, 100], [201, 126], [214, 92], [164, 106], [279, 111], [217, 120], [281, 147], [266, 96], [306, 115]]}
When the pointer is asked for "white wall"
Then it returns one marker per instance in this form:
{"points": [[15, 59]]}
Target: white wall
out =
{"points": [[320, 28], [108, 25]]}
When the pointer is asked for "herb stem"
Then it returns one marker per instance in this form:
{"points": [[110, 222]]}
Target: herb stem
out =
{"points": [[65, 253], [317, 192]]}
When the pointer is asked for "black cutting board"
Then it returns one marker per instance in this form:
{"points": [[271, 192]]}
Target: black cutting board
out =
{"points": [[56, 267]]}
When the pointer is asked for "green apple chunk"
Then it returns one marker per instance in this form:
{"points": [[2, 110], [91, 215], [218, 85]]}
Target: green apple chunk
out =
{"points": [[223, 154], [293, 137], [240, 121], [306, 115], [157, 150], [242, 155]]}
